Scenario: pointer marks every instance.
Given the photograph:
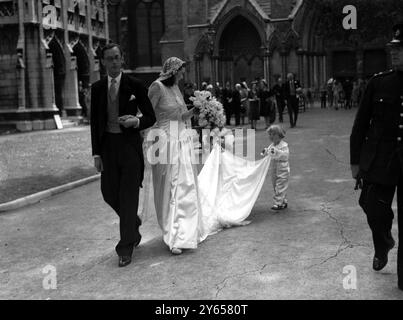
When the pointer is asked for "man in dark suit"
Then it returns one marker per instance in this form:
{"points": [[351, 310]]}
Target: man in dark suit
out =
{"points": [[236, 104], [376, 151], [226, 96], [278, 90], [117, 144], [290, 94]]}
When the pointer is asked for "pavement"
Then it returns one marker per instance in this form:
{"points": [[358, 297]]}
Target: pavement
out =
{"points": [[319, 248]]}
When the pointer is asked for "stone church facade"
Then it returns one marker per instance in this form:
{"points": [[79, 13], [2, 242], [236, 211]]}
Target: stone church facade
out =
{"points": [[234, 40], [42, 60]]}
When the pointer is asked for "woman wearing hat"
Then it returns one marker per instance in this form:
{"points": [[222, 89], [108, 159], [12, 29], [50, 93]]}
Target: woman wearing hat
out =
{"points": [[176, 197]]}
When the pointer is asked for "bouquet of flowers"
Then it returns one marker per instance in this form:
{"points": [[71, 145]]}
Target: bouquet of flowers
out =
{"points": [[211, 111]]}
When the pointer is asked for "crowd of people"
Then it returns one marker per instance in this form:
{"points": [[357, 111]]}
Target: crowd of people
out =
{"points": [[342, 94], [248, 103]]}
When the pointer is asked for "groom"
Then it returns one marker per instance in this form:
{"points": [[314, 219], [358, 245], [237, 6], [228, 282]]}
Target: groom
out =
{"points": [[117, 144]]}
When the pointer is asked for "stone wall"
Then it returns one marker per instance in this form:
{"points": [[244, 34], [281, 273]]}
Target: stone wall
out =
{"points": [[8, 62]]}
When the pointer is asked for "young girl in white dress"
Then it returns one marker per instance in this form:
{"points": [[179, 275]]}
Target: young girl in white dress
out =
{"points": [[279, 166]]}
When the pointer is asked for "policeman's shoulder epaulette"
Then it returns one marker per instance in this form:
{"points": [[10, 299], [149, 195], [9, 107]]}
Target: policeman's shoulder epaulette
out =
{"points": [[384, 73]]}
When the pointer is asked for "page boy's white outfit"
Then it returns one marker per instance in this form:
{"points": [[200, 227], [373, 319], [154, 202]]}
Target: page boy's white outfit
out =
{"points": [[279, 171]]}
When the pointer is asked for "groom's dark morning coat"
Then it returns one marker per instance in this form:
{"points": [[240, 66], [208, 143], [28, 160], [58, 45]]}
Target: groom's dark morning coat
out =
{"points": [[121, 153]]}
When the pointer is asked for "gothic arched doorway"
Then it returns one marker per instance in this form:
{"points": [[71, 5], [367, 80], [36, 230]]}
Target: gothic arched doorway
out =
{"points": [[59, 71], [241, 43], [83, 64]]}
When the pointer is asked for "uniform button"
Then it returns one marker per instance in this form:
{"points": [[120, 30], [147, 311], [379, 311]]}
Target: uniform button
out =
{"points": [[401, 114], [399, 139], [401, 127], [381, 100]]}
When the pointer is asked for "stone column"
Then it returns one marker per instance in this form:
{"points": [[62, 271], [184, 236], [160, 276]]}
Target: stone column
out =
{"points": [[315, 71], [106, 20], [320, 69], [266, 65], [311, 70], [21, 57], [223, 66], [71, 104], [47, 88], [283, 55], [270, 67], [214, 61], [50, 124], [300, 67], [197, 70], [360, 63], [46, 94], [305, 69], [94, 62], [231, 71]]}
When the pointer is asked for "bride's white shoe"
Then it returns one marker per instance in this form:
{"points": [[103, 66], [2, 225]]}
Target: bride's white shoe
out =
{"points": [[176, 251]]}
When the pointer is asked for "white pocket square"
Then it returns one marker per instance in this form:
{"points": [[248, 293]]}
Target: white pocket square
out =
{"points": [[133, 97]]}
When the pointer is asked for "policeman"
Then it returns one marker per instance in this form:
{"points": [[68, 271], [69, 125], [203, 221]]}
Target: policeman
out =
{"points": [[376, 155]]}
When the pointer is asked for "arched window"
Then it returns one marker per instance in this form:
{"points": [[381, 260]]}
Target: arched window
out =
{"points": [[149, 28]]}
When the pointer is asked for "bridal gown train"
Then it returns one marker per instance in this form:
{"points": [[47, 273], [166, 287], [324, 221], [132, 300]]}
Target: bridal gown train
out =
{"points": [[228, 189]]}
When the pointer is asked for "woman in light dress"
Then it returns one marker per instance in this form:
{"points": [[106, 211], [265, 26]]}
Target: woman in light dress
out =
{"points": [[337, 93], [189, 207], [175, 180]]}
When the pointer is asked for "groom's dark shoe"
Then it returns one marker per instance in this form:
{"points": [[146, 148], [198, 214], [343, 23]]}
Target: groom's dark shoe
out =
{"points": [[124, 261], [379, 263]]}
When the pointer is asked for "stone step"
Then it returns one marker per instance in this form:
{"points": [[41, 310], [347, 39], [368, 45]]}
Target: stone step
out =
{"points": [[67, 123]]}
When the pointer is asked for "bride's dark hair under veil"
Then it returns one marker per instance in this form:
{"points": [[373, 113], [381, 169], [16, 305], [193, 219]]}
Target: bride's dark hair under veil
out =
{"points": [[170, 81]]}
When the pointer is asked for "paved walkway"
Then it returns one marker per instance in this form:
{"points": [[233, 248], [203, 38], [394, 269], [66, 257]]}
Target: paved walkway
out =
{"points": [[296, 254]]}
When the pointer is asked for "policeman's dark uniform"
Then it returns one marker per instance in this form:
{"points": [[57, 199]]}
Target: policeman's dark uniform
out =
{"points": [[376, 145]]}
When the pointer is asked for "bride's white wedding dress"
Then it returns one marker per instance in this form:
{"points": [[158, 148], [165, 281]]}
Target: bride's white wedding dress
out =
{"points": [[228, 187]]}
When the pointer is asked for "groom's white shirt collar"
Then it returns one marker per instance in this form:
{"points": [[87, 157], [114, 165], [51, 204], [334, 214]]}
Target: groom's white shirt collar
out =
{"points": [[118, 78]]}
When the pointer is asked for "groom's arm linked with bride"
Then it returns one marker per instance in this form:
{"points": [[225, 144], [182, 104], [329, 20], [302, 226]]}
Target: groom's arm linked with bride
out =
{"points": [[117, 144]]}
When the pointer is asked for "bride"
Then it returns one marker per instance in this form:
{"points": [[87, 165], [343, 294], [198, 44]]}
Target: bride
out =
{"points": [[190, 207], [174, 176]]}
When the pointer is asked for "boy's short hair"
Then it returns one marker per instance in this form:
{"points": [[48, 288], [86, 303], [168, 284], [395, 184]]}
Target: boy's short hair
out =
{"points": [[276, 129]]}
